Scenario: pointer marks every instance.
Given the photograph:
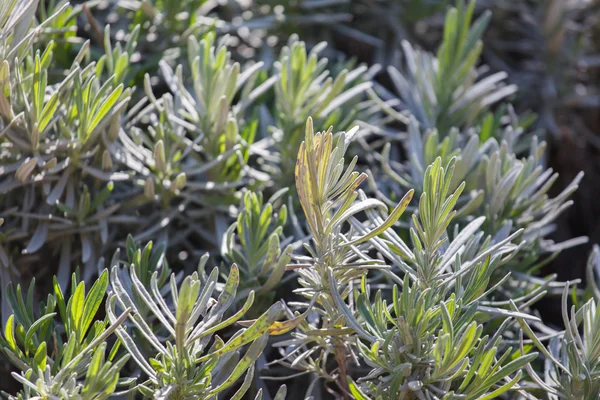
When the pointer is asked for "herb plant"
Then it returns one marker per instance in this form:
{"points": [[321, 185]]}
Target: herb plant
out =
{"points": [[206, 200]]}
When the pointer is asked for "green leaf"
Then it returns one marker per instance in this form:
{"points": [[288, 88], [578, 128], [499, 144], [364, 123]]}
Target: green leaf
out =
{"points": [[9, 333], [257, 329], [60, 300], [339, 302], [278, 271], [96, 362], [509, 368], [48, 112], [104, 109], [5, 79], [355, 390], [39, 87], [93, 301], [188, 294], [229, 321], [280, 328], [245, 385], [389, 221], [35, 326], [40, 357], [254, 351], [75, 310], [504, 388]]}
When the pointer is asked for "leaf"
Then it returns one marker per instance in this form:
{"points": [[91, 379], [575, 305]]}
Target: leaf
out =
{"points": [[355, 390], [5, 80], [346, 96], [389, 221], [59, 188], [231, 320], [96, 362], [536, 341], [48, 112], [105, 108], [254, 351], [503, 389], [465, 234], [75, 310], [127, 341], [339, 302], [9, 333], [188, 294], [227, 296], [26, 169], [245, 385], [38, 238], [278, 272], [510, 368], [39, 87], [40, 356], [93, 301], [355, 208], [507, 313], [35, 326], [280, 328], [60, 300], [92, 345], [257, 329]]}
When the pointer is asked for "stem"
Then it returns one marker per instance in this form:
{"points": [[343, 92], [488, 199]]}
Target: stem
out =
{"points": [[341, 358]]}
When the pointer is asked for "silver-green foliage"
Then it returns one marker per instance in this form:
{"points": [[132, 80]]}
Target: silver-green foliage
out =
{"points": [[428, 341], [307, 88], [56, 127], [183, 362], [512, 192], [502, 165], [77, 368], [327, 192], [425, 307], [254, 244]]}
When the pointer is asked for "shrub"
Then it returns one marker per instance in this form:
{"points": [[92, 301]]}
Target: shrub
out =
{"points": [[170, 164]]}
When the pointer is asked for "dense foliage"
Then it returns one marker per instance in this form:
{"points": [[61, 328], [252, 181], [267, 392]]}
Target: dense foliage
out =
{"points": [[202, 200]]}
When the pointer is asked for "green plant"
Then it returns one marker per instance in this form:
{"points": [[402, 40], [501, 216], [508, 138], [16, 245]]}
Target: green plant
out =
{"points": [[197, 143], [446, 90], [511, 192], [57, 126], [112, 155], [77, 368], [428, 341], [327, 192], [571, 363], [501, 163], [184, 365], [305, 88], [260, 255]]}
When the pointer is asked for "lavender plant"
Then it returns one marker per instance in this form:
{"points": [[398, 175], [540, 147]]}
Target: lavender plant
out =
{"points": [[255, 249], [186, 365], [57, 126], [51, 367], [305, 88], [254, 243], [501, 164]]}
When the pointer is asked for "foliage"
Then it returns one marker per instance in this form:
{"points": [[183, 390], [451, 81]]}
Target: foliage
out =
{"points": [[435, 344], [260, 253], [164, 155], [305, 88], [327, 194], [77, 368], [185, 366]]}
